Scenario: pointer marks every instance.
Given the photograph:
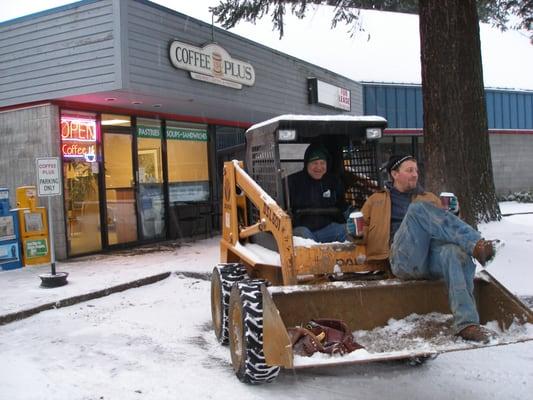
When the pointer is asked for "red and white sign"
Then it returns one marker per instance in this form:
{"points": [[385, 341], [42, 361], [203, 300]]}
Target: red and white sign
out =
{"points": [[333, 96], [48, 176], [78, 138], [77, 129], [329, 95]]}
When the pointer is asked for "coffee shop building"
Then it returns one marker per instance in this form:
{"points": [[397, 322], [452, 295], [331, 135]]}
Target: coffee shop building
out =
{"points": [[142, 105]]}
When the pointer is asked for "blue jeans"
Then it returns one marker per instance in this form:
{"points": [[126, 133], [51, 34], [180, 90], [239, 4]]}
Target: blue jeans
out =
{"points": [[432, 243], [333, 232]]}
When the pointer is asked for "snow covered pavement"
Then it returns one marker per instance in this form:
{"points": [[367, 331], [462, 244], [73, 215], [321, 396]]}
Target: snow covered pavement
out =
{"points": [[156, 342]]}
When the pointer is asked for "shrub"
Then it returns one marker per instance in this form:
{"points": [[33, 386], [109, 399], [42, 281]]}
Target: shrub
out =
{"points": [[525, 196]]}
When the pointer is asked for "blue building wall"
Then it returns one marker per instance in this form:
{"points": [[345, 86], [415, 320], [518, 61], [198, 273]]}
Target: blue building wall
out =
{"points": [[402, 106], [509, 110], [510, 120]]}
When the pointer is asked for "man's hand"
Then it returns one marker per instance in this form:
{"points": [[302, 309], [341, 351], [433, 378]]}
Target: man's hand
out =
{"points": [[454, 205], [350, 227]]}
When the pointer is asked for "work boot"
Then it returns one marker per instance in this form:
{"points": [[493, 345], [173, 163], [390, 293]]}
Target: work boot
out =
{"points": [[484, 250], [477, 333]]}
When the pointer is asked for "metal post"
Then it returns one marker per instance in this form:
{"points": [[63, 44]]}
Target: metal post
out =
{"points": [[49, 178], [51, 233]]}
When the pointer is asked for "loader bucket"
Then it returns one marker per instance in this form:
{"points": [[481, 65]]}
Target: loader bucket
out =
{"points": [[392, 319]]}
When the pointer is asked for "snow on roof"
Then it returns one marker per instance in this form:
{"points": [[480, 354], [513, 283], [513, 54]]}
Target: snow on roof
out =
{"points": [[333, 118]]}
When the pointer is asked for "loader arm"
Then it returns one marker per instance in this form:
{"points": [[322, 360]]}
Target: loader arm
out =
{"points": [[297, 262], [239, 187]]}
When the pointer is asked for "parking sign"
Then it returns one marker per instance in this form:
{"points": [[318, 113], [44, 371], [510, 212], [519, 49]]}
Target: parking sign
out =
{"points": [[48, 176]]}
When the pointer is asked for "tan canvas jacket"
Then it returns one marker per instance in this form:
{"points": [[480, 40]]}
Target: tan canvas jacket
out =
{"points": [[377, 215]]}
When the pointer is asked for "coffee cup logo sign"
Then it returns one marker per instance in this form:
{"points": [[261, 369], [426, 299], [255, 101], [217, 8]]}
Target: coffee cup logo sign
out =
{"points": [[217, 64], [212, 64]]}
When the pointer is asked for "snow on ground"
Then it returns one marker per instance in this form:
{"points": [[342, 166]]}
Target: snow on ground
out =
{"points": [[20, 288], [513, 264], [156, 342]]}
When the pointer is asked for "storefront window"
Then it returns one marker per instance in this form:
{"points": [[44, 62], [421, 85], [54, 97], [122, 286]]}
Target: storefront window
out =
{"points": [[228, 137], [80, 151], [150, 172], [188, 172]]}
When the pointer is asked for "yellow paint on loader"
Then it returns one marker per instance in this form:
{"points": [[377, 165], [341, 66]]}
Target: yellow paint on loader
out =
{"points": [[300, 289]]}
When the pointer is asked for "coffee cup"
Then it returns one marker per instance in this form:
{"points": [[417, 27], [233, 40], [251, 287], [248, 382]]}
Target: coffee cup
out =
{"points": [[359, 222]]}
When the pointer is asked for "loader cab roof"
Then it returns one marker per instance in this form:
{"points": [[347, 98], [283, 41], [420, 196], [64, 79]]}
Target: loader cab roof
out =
{"points": [[275, 149], [308, 126]]}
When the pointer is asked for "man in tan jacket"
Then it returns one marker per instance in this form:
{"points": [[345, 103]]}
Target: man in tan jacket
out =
{"points": [[422, 240]]}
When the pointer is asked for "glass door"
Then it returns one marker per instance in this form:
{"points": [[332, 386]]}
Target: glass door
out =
{"points": [[119, 180], [83, 207], [81, 168], [151, 203]]}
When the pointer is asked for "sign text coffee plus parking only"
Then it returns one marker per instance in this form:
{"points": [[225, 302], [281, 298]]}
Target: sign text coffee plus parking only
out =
{"points": [[48, 176]]}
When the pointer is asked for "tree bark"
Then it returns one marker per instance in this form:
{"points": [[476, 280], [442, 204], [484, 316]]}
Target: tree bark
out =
{"points": [[456, 140]]}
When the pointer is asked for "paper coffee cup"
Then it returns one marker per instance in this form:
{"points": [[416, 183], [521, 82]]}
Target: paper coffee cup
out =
{"points": [[359, 222]]}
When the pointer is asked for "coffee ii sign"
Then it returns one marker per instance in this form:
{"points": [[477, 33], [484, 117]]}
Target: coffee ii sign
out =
{"points": [[211, 63]]}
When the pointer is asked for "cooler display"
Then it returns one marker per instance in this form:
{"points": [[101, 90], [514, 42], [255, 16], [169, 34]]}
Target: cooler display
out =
{"points": [[33, 221], [9, 234]]}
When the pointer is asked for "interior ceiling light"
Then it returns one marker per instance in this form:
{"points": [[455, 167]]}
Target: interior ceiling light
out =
{"points": [[136, 102], [110, 98], [115, 121], [157, 105]]}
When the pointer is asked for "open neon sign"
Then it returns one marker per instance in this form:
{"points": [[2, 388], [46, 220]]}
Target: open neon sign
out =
{"points": [[78, 137]]}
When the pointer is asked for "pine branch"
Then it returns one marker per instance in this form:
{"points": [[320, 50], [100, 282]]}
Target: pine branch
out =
{"points": [[497, 12]]}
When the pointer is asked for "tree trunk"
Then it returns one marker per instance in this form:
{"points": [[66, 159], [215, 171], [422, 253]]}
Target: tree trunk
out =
{"points": [[456, 140]]}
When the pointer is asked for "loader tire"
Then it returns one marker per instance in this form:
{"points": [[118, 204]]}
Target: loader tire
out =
{"points": [[246, 334], [222, 279]]}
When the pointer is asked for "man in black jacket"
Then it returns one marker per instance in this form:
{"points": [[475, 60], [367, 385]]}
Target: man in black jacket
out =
{"points": [[317, 199]]}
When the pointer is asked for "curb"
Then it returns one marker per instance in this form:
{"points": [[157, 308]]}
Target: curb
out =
{"points": [[18, 315]]}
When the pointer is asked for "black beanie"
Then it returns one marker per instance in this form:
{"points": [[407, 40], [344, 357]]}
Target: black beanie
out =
{"points": [[396, 160], [316, 152]]}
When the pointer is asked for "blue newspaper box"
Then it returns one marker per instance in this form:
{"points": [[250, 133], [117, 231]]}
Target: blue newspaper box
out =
{"points": [[9, 234]]}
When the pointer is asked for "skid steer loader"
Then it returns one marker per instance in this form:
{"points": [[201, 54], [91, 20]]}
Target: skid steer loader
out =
{"points": [[269, 281]]}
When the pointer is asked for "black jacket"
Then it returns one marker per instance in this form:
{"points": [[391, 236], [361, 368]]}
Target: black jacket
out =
{"points": [[306, 192]]}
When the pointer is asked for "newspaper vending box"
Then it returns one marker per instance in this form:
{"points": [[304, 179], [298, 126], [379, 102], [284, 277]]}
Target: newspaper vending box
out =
{"points": [[9, 234], [33, 223]]}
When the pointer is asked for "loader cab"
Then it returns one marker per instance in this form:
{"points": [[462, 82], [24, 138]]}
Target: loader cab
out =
{"points": [[275, 150]]}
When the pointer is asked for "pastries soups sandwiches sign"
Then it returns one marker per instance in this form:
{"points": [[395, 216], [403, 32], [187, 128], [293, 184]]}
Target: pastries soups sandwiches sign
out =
{"points": [[211, 63]]}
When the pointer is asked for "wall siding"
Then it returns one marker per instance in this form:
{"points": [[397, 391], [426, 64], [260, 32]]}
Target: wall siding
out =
{"points": [[68, 52], [506, 110], [95, 46], [26, 134], [281, 80], [402, 106]]}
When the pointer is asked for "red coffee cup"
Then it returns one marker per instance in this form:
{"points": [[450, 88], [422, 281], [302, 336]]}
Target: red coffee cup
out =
{"points": [[358, 221], [445, 199]]}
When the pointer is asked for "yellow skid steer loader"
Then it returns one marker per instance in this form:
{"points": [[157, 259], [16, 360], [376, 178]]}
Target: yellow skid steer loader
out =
{"points": [[269, 281]]}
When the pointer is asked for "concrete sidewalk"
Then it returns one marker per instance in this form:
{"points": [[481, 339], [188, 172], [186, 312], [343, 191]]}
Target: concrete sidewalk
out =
{"points": [[95, 276]]}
